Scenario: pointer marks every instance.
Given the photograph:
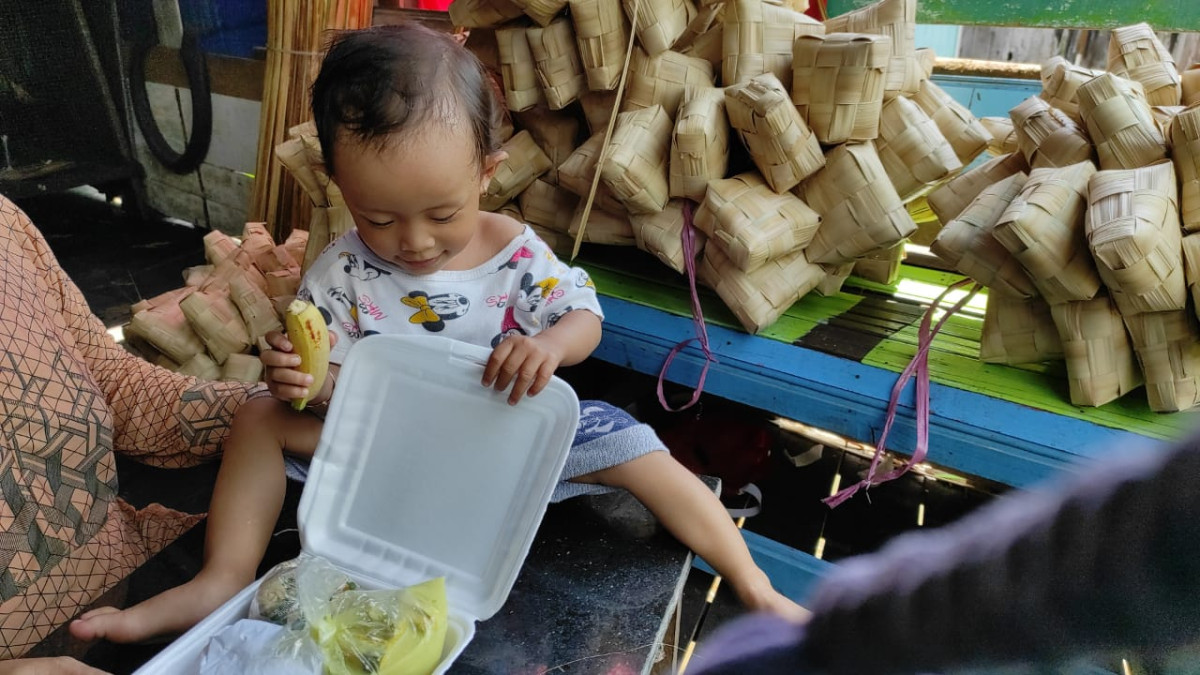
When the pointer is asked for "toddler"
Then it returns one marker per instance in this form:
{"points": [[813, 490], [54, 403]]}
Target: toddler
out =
{"points": [[406, 119]]}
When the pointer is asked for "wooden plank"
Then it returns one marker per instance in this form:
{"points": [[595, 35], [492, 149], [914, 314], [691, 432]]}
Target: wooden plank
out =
{"points": [[1007, 442], [227, 75], [1164, 15]]}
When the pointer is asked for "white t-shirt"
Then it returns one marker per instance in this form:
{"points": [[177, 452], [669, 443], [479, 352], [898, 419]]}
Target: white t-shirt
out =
{"points": [[522, 290]]}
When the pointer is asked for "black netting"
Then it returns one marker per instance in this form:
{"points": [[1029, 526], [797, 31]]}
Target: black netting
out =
{"points": [[61, 106]]}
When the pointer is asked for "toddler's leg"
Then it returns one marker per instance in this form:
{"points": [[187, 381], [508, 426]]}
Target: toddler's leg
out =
{"points": [[695, 516], [246, 502]]}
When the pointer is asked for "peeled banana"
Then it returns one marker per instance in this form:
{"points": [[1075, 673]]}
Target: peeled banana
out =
{"points": [[310, 340]]}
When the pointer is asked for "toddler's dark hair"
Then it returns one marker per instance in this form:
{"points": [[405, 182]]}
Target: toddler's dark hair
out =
{"points": [[379, 81]]}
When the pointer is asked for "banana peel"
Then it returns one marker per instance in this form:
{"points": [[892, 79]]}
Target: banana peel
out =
{"points": [[391, 632], [309, 335]]}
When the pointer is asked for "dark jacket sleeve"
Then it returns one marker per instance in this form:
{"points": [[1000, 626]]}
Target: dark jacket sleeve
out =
{"points": [[1108, 560]]}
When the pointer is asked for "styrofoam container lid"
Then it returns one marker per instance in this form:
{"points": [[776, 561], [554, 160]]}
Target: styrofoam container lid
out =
{"points": [[422, 472]]}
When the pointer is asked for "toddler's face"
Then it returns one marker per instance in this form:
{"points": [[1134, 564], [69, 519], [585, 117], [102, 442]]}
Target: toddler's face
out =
{"points": [[415, 203]]}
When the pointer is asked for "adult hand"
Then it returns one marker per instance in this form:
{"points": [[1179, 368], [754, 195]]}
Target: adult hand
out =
{"points": [[526, 363], [59, 665]]}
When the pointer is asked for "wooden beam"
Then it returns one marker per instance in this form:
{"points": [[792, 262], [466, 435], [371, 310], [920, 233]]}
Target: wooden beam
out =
{"points": [[1163, 15], [227, 75]]}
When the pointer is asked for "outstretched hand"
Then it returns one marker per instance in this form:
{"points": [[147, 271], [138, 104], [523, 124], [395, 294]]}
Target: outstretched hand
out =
{"points": [[526, 363]]}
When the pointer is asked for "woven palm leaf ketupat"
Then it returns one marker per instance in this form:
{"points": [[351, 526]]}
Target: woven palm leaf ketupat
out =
{"points": [[752, 223], [597, 106], [166, 327], [217, 321], [556, 58], [1167, 345], [837, 84], [525, 162], [1185, 149], [1060, 82], [961, 129], [1018, 330], [602, 33], [1004, 135], [913, 151], [201, 366], [512, 210], [896, 19], [1165, 115], [835, 276], [881, 266], [1134, 52], [483, 13], [603, 227], [860, 210], [576, 174], [1100, 360], [1048, 137], [635, 166], [759, 38], [950, 198], [660, 23], [242, 368], [559, 242], [554, 132], [969, 245], [781, 144], [1190, 85], [1191, 271], [547, 205], [760, 297], [1043, 228], [926, 59], [1132, 228], [660, 234], [708, 45], [1120, 123], [699, 143], [707, 18], [254, 306], [521, 87], [662, 80]]}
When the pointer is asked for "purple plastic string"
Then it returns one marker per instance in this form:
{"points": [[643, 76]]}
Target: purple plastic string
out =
{"points": [[919, 365], [688, 238]]}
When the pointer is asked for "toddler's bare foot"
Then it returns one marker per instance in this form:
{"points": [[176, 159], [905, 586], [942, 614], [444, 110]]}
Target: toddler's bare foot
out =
{"points": [[760, 596], [170, 612]]}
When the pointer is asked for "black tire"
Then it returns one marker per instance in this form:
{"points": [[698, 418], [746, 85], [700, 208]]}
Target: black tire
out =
{"points": [[196, 68]]}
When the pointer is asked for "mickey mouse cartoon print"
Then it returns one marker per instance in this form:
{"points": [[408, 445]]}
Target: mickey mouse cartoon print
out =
{"points": [[529, 297], [360, 269], [433, 311]]}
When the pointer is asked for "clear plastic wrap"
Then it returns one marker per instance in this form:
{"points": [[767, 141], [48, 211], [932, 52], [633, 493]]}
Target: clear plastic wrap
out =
{"points": [[357, 632]]}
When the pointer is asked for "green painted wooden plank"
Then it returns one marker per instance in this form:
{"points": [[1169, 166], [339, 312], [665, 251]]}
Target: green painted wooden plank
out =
{"points": [[1044, 388], [1164, 15]]}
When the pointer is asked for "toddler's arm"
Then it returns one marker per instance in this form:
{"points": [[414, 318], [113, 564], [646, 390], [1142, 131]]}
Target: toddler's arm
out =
{"points": [[527, 362]]}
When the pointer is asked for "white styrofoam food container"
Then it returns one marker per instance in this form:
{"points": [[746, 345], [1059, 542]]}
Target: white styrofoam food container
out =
{"points": [[421, 472]]}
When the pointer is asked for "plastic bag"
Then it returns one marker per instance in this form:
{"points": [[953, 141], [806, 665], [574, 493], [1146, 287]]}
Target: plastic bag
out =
{"points": [[378, 632], [278, 597], [391, 632]]}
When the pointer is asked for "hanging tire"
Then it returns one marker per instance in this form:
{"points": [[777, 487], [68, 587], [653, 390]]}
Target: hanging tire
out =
{"points": [[196, 148]]}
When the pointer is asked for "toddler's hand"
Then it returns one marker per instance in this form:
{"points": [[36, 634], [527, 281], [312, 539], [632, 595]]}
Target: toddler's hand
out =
{"points": [[280, 365], [524, 362]]}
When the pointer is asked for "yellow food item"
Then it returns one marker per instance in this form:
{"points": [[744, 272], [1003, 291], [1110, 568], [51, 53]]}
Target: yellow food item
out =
{"points": [[310, 340], [400, 632]]}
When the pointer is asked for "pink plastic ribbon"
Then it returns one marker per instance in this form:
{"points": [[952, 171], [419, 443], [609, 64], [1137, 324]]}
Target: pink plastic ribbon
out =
{"points": [[919, 365], [688, 237]]}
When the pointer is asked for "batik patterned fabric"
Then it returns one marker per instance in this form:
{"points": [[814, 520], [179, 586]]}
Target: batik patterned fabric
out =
{"points": [[70, 397]]}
